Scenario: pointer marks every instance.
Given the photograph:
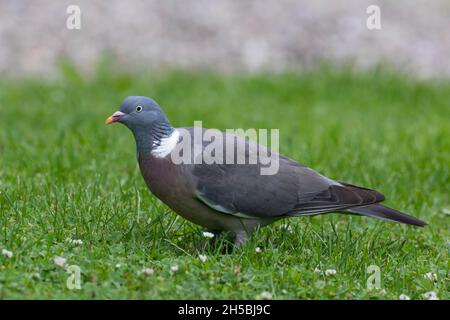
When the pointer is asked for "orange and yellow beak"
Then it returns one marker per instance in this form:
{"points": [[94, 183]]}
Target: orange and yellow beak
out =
{"points": [[115, 117]]}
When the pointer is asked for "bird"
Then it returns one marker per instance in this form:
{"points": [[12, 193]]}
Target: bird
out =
{"points": [[235, 198]]}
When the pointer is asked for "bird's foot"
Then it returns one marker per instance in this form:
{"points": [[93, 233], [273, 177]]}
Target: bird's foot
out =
{"points": [[240, 238]]}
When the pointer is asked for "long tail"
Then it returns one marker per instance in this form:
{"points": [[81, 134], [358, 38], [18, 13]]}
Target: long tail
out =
{"points": [[385, 213]]}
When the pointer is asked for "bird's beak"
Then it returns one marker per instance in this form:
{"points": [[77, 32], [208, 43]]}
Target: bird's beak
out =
{"points": [[115, 117]]}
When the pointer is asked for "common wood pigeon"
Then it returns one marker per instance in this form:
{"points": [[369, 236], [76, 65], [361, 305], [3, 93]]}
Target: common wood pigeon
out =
{"points": [[235, 197]]}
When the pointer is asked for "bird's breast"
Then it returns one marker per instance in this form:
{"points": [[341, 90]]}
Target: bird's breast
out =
{"points": [[161, 177]]}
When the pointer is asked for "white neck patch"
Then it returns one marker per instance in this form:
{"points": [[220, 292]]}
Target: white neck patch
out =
{"points": [[166, 145]]}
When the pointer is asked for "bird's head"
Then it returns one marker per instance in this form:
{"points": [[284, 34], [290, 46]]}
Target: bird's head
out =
{"points": [[139, 113]]}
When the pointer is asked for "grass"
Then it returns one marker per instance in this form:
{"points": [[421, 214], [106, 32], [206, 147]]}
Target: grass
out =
{"points": [[65, 175]]}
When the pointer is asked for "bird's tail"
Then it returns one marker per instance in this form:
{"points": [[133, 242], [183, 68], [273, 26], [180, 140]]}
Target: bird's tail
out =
{"points": [[385, 213]]}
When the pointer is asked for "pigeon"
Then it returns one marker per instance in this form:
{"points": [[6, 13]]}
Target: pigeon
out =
{"points": [[235, 198]]}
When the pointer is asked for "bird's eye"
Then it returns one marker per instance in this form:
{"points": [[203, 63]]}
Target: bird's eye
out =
{"points": [[138, 108]]}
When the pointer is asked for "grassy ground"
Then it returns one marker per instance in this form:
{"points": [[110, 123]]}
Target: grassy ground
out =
{"points": [[65, 175]]}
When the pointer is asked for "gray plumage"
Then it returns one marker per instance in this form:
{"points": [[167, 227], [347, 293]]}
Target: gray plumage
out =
{"points": [[236, 197]]}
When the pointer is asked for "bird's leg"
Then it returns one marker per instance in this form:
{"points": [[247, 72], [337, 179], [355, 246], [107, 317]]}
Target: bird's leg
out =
{"points": [[240, 238]]}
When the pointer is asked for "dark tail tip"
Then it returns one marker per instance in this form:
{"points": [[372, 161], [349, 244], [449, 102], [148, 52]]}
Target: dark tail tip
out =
{"points": [[385, 213], [417, 223]]}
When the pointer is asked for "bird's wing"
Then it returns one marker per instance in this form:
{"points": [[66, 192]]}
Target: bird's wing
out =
{"points": [[338, 198], [241, 190]]}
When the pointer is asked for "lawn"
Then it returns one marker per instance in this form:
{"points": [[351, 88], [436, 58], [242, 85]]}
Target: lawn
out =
{"points": [[66, 176]]}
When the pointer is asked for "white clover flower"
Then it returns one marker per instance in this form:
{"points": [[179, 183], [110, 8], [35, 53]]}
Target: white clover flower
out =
{"points": [[202, 257], [59, 261], [119, 265], [7, 253], [431, 295], [174, 268], [207, 234], [317, 270], [330, 272], [430, 276], [76, 242], [266, 295], [147, 271], [403, 297], [258, 250]]}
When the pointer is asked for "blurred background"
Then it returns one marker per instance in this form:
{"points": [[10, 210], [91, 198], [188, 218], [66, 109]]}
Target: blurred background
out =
{"points": [[225, 35]]}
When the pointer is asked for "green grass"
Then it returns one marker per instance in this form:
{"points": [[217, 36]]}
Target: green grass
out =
{"points": [[64, 174]]}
